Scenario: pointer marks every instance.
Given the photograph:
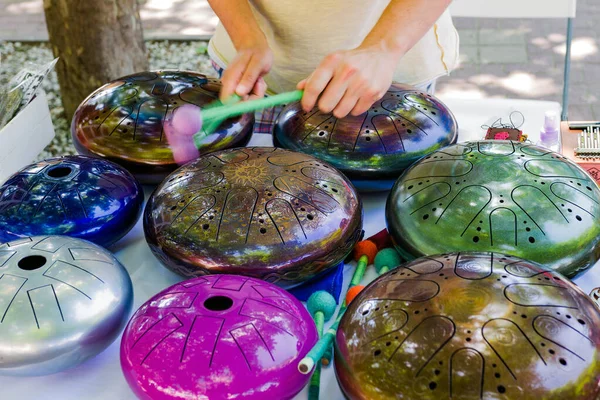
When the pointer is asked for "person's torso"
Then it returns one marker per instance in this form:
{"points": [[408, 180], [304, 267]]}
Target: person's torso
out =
{"points": [[302, 32]]}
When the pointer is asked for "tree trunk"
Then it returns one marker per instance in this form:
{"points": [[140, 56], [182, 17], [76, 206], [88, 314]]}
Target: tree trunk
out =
{"points": [[97, 41]]}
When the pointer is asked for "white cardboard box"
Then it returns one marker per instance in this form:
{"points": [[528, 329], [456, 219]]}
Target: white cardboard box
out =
{"points": [[25, 136]]}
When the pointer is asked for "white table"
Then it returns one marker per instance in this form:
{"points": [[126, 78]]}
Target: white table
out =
{"points": [[101, 377]]}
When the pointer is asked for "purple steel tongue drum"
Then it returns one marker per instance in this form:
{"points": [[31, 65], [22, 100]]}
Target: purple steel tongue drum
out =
{"points": [[218, 337]]}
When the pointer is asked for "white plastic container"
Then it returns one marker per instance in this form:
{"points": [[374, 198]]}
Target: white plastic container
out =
{"points": [[25, 136]]}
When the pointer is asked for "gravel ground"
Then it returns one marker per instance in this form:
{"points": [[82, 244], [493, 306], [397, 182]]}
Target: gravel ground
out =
{"points": [[162, 55]]}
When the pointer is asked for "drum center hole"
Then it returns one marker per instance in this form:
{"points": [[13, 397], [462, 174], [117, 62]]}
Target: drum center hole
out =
{"points": [[60, 171], [218, 303], [30, 263]]}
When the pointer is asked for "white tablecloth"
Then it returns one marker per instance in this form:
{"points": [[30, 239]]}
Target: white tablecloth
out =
{"points": [[101, 377]]}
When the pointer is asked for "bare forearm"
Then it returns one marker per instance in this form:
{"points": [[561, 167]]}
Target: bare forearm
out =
{"points": [[238, 19], [403, 24], [244, 74]]}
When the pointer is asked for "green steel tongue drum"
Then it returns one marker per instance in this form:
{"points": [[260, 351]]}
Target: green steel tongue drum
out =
{"points": [[505, 196]]}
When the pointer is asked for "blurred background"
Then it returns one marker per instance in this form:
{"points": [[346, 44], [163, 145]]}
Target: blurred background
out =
{"points": [[505, 58]]}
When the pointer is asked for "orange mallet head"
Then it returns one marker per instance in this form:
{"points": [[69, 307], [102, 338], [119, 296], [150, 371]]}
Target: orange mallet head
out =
{"points": [[365, 248], [353, 292]]}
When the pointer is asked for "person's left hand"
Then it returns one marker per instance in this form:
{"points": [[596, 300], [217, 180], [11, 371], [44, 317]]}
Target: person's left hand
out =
{"points": [[349, 82]]}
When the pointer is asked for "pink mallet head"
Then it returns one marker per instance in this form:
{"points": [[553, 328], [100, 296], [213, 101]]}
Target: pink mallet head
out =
{"points": [[180, 129]]}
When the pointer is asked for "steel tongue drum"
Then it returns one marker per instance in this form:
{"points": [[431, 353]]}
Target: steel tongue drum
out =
{"points": [[273, 214], [504, 196], [470, 326], [62, 301], [372, 149], [78, 196], [124, 121], [218, 337]]}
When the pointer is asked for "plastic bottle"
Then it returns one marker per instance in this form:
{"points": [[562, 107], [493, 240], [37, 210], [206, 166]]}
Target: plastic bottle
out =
{"points": [[550, 133]]}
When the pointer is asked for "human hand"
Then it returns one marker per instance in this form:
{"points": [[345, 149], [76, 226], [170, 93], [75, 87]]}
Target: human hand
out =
{"points": [[349, 82], [244, 75]]}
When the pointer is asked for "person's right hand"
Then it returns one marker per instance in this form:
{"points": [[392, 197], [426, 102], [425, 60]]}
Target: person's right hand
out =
{"points": [[244, 75]]}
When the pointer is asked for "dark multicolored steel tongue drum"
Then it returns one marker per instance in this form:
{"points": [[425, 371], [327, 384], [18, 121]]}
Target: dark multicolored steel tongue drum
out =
{"points": [[269, 213], [374, 148], [123, 121], [470, 326]]}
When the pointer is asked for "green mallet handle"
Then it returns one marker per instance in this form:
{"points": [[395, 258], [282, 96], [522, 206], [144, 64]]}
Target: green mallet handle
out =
{"points": [[320, 322], [359, 272], [383, 270], [243, 107], [327, 356], [357, 277], [315, 380], [209, 127], [316, 353], [212, 126]]}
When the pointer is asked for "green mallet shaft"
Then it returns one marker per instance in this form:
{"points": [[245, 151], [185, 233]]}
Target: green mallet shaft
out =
{"points": [[357, 277], [212, 125], [360, 270], [328, 355], [243, 107], [316, 353], [320, 322], [383, 270], [315, 380], [213, 116]]}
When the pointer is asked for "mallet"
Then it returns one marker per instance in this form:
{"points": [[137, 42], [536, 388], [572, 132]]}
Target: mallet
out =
{"points": [[190, 125], [321, 306], [386, 259], [364, 252]]}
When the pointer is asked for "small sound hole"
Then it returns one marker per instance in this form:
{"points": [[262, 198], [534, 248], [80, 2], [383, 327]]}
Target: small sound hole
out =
{"points": [[59, 172], [30, 263], [218, 303]]}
